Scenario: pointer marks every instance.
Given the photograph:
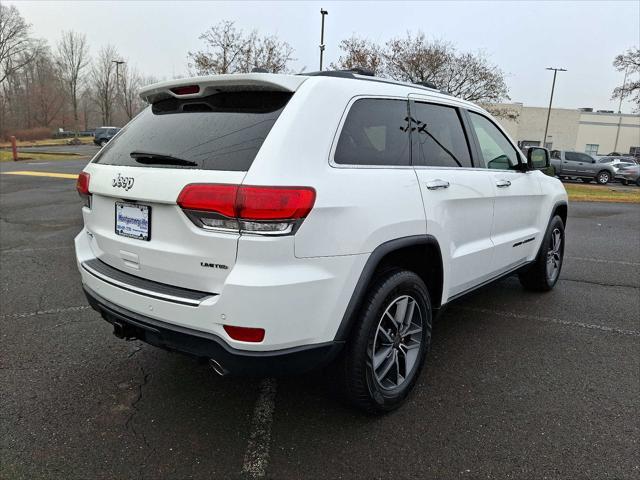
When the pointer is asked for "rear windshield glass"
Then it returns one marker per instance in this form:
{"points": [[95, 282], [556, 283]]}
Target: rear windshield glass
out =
{"points": [[223, 131]]}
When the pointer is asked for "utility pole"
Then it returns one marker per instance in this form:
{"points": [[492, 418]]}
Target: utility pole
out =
{"points": [[553, 86], [322, 14], [624, 84]]}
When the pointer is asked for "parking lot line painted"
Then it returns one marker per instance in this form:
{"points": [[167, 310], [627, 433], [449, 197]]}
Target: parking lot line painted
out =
{"points": [[569, 323], [602, 260], [42, 174], [256, 457], [45, 312]]}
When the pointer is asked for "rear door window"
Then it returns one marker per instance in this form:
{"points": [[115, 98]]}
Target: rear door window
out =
{"points": [[223, 131], [437, 137], [375, 133]]}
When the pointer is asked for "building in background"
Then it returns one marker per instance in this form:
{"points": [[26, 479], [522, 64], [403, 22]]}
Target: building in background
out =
{"points": [[581, 130]]}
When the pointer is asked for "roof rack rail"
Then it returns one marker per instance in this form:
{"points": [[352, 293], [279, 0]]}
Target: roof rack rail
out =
{"points": [[347, 73], [361, 74], [428, 85]]}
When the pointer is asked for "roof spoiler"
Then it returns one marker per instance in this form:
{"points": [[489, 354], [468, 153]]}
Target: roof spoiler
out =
{"points": [[203, 86]]}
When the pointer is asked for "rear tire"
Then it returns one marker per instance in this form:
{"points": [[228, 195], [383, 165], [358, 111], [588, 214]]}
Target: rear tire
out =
{"points": [[603, 177], [390, 340], [543, 274]]}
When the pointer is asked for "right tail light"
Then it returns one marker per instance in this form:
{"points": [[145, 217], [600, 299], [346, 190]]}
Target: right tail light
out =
{"points": [[247, 208]]}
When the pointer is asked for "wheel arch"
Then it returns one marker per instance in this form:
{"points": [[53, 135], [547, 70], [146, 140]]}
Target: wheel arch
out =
{"points": [[402, 253], [562, 210]]}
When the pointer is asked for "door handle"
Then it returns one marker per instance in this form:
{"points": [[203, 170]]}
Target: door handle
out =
{"points": [[503, 183], [437, 184]]}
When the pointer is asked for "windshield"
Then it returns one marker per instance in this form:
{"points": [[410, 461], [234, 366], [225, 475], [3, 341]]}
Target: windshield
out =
{"points": [[223, 131]]}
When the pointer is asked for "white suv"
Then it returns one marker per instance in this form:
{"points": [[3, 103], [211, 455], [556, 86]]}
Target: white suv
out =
{"points": [[276, 223]]}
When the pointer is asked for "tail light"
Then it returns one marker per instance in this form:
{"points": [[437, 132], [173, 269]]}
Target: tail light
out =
{"points": [[245, 208], [82, 185]]}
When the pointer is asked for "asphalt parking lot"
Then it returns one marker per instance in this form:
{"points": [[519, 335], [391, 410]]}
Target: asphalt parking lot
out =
{"points": [[517, 385]]}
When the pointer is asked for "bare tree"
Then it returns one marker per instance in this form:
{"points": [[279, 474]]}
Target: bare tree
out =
{"points": [[360, 53], [17, 48], [47, 90], [629, 62], [269, 53], [229, 50], [471, 77], [130, 83], [72, 59], [415, 59], [103, 82]]}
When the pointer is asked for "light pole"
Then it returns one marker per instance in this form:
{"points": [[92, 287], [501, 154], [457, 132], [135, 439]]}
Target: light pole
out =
{"points": [[322, 14], [553, 86], [118, 63], [624, 83]]}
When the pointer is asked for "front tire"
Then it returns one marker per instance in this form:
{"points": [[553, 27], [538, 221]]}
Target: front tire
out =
{"points": [[603, 177], [543, 274], [389, 343]]}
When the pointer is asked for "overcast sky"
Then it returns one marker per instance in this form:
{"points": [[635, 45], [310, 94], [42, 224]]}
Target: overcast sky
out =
{"points": [[521, 37]]}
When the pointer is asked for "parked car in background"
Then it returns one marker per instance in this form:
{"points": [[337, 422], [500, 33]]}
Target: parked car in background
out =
{"points": [[104, 134], [581, 165], [629, 174], [617, 158]]}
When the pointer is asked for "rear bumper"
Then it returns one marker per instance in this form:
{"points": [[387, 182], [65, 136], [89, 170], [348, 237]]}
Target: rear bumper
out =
{"points": [[172, 337]]}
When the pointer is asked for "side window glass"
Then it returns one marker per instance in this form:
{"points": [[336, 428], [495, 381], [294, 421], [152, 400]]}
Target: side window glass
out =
{"points": [[375, 133], [571, 156], [586, 158], [437, 136], [495, 149], [555, 154]]}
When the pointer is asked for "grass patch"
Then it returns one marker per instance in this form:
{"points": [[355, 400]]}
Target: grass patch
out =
{"points": [[602, 193], [46, 142], [6, 156]]}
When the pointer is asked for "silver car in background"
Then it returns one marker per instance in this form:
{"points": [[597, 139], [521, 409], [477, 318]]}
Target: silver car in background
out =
{"points": [[629, 174]]}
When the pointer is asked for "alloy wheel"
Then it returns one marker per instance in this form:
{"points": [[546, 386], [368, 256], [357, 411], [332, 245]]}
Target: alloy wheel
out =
{"points": [[554, 255], [396, 345]]}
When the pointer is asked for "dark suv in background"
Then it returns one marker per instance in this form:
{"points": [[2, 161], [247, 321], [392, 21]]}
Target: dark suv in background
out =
{"points": [[104, 134]]}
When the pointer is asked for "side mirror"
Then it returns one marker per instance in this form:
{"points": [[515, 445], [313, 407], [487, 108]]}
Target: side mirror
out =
{"points": [[593, 161], [538, 158]]}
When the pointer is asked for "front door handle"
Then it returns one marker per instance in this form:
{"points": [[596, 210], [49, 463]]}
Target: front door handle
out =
{"points": [[503, 183], [437, 184]]}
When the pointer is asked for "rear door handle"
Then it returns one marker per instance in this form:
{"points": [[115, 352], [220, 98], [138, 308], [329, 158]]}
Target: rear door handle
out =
{"points": [[437, 184], [503, 183]]}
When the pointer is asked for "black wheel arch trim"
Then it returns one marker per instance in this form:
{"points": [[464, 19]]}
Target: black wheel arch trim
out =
{"points": [[368, 272], [554, 211]]}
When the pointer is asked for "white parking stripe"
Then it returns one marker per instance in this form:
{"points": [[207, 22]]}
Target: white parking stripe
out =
{"points": [[256, 457], [601, 260], [45, 312], [35, 249], [558, 321]]}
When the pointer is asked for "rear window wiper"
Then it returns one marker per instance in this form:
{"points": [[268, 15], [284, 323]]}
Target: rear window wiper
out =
{"points": [[150, 158]]}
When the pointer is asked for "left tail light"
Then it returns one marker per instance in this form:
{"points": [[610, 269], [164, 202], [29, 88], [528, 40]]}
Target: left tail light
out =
{"points": [[82, 185], [246, 208]]}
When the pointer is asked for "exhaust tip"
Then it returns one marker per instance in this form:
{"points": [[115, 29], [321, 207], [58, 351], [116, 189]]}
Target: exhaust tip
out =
{"points": [[216, 367]]}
